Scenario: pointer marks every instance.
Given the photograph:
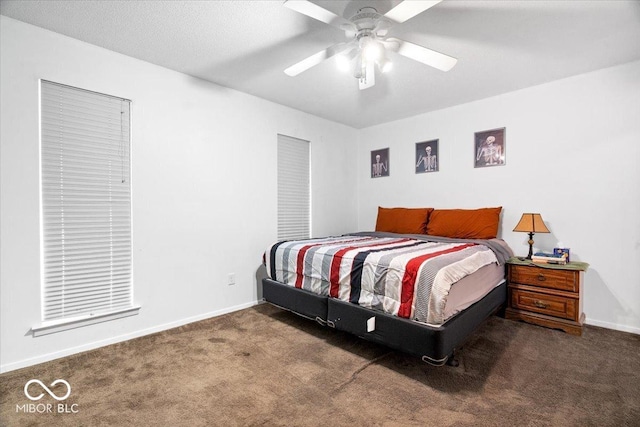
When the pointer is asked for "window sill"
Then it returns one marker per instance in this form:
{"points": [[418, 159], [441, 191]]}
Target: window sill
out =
{"points": [[52, 327]]}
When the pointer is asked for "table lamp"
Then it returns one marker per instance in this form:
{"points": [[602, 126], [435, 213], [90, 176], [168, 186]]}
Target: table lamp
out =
{"points": [[531, 223]]}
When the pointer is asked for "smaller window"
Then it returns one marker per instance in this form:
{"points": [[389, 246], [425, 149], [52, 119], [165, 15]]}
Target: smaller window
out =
{"points": [[294, 195]]}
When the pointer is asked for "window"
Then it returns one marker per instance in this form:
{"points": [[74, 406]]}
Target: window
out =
{"points": [[294, 202], [86, 208]]}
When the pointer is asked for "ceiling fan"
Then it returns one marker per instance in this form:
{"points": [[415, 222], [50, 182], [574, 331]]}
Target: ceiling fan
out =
{"points": [[368, 44]]}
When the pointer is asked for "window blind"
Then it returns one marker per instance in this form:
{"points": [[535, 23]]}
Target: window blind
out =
{"points": [[86, 203], [294, 201]]}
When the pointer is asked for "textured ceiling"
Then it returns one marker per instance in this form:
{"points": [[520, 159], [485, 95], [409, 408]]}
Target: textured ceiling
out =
{"points": [[501, 46]]}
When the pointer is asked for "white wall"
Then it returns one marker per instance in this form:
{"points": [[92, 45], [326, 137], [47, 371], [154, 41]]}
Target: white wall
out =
{"points": [[573, 154], [204, 188]]}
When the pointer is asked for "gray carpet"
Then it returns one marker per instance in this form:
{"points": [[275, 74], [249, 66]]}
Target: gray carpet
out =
{"points": [[267, 367]]}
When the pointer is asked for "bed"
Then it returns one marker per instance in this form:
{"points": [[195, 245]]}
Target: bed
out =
{"points": [[421, 283]]}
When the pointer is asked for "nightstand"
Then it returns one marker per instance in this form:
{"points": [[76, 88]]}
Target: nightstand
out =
{"points": [[546, 294]]}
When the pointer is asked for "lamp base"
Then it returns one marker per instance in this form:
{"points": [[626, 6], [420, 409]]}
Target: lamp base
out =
{"points": [[530, 246]]}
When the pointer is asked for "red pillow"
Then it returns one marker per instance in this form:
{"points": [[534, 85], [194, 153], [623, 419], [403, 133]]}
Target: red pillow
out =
{"points": [[403, 220], [465, 223]]}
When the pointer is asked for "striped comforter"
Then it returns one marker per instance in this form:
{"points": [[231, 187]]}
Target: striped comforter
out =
{"points": [[400, 275]]}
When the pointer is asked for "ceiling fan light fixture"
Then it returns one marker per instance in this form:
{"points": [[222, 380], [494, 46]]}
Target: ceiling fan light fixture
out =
{"points": [[359, 67], [372, 50]]}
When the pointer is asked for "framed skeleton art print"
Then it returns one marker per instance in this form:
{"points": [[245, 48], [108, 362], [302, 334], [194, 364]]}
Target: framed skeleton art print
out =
{"points": [[380, 163], [490, 148], [427, 156]]}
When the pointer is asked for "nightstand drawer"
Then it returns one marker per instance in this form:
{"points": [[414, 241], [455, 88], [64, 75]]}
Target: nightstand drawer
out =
{"points": [[566, 280], [551, 305]]}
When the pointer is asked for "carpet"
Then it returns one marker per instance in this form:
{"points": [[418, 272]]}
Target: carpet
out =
{"points": [[264, 366]]}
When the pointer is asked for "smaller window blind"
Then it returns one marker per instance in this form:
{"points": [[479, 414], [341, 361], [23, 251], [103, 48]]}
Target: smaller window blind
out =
{"points": [[294, 196], [86, 203]]}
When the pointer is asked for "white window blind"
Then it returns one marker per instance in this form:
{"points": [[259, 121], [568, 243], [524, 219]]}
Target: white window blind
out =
{"points": [[86, 204], [294, 202]]}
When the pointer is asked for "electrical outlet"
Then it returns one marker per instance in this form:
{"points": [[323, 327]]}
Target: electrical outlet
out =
{"points": [[231, 279]]}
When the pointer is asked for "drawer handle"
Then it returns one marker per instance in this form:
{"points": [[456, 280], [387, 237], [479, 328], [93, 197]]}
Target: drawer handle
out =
{"points": [[540, 304], [541, 277]]}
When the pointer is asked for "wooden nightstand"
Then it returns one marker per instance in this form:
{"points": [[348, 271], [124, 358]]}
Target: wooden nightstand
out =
{"points": [[546, 294]]}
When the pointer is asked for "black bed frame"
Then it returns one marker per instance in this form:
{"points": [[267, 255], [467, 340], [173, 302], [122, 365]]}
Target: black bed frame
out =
{"points": [[434, 345]]}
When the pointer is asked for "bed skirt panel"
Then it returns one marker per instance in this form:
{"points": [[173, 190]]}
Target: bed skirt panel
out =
{"points": [[300, 301], [434, 344]]}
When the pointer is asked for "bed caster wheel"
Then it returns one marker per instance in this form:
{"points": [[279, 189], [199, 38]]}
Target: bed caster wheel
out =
{"points": [[452, 361]]}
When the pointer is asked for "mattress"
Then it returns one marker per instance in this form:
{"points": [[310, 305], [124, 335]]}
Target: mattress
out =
{"points": [[406, 276], [473, 288]]}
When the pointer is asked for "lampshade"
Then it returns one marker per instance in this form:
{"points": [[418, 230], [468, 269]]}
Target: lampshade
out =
{"points": [[531, 223]]}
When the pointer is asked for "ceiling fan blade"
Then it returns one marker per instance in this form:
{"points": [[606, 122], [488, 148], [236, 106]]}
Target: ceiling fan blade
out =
{"points": [[408, 9], [314, 11], [369, 77], [421, 54], [316, 59]]}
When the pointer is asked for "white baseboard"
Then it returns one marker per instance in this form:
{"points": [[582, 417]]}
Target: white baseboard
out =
{"points": [[614, 326], [97, 344], [92, 346]]}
